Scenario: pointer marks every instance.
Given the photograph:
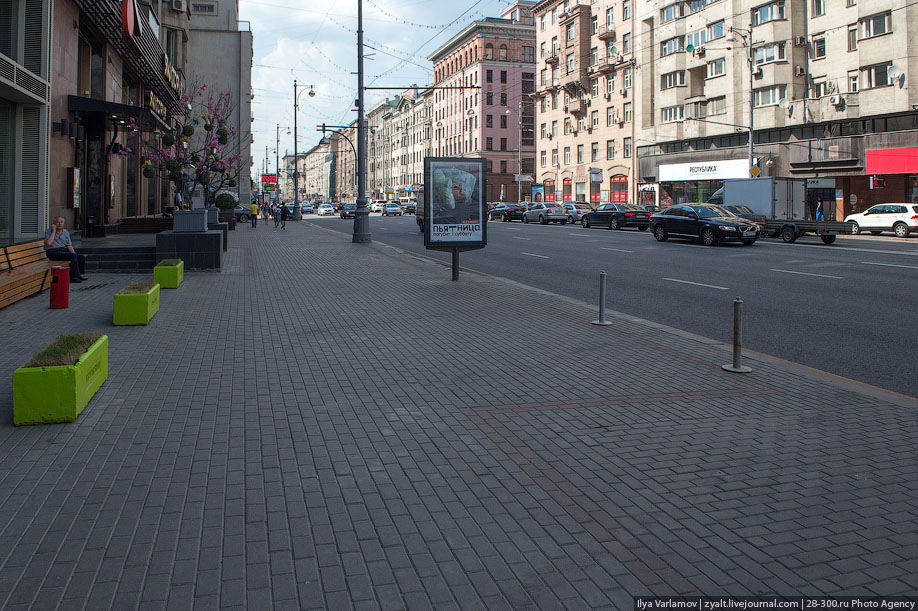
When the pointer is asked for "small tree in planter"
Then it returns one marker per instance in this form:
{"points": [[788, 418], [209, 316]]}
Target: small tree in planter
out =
{"points": [[226, 202], [199, 150], [56, 384]]}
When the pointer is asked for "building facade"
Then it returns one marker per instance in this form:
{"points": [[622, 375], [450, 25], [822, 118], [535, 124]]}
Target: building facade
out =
{"points": [[822, 84], [481, 106], [585, 98]]}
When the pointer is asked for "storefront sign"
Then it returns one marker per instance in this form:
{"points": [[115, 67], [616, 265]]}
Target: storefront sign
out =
{"points": [[454, 211], [820, 183], [172, 75], [892, 161], [595, 174], [130, 18], [156, 105], [705, 170]]}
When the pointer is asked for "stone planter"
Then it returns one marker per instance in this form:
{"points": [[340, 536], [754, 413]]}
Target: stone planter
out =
{"points": [[44, 395], [169, 276], [136, 308], [213, 215], [186, 221]]}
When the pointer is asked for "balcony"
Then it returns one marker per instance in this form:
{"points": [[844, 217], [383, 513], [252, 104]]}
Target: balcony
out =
{"points": [[606, 32], [606, 64], [576, 107], [552, 57]]}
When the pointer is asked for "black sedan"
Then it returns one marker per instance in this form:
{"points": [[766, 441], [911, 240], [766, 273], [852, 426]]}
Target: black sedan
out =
{"points": [[747, 213], [506, 212], [708, 223], [349, 211], [617, 216]]}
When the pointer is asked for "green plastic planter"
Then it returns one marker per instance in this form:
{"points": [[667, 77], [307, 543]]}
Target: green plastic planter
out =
{"points": [[169, 276], [136, 308], [45, 395]]}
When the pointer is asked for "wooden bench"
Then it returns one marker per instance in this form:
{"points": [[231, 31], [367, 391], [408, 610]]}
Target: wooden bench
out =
{"points": [[25, 270]]}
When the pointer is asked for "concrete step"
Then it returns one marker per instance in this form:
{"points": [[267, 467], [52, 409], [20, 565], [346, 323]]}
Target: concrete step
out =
{"points": [[119, 259]]}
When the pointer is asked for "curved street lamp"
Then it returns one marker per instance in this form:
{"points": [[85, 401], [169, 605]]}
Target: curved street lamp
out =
{"points": [[297, 214]]}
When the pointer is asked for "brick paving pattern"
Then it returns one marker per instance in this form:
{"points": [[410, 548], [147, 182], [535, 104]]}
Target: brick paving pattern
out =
{"points": [[325, 425]]}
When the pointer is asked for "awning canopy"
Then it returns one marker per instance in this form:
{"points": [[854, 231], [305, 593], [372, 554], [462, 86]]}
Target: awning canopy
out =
{"points": [[146, 119]]}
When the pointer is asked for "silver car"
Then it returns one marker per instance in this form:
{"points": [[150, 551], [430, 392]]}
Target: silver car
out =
{"points": [[545, 213]]}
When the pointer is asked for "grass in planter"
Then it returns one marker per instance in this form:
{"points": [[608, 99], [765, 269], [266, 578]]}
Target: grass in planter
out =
{"points": [[65, 350], [137, 287], [169, 262]]}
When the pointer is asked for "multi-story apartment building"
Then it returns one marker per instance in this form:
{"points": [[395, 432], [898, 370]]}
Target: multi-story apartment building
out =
{"points": [[319, 170], [585, 98], [491, 65], [346, 155], [378, 147], [824, 84]]}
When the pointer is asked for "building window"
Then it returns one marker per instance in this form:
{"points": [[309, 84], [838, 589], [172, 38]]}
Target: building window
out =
{"points": [[554, 15], [571, 32], [671, 114], [567, 155], [489, 120], [852, 82], [717, 106], [543, 131], [673, 45], [610, 84], [673, 11], [876, 76], [570, 63], [503, 121], [769, 96], [489, 98], [696, 5], [594, 24], [672, 79], [626, 43], [542, 22], [543, 158], [503, 76], [819, 8], [610, 149], [502, 53], [579, 153], [594, 56], [554, 157], [696, 39], [715, 30], [819, 47], [594, 118], [626, 78], [626, 9], [529, 54], [610, 116], [877, 25], [852, 38], [489, 51], [627, 113], [503, 99], [489, 143], [594, 151], [716, 68], [820, 89], [610, 17], [567, 126], [207, 8], [768, 12], [554, 128], [768, 53], [503, 167]]}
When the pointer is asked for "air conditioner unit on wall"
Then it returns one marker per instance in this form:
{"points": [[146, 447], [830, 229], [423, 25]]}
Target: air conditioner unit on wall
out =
{"points": [[608, 96], [699, 52], [623, 92], [836, 100], [178, 5], [800, 41], [799, 71]]}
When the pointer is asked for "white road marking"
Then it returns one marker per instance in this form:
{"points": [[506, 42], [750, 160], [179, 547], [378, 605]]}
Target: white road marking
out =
{"points": [[710, 286], [890, 265], [516, 237], [787, 271], [529, 254], [616, 249], [835, 247]]}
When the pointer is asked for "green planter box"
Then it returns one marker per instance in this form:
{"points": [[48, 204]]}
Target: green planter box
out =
{"points": [[136, 308], [169, 276], [44, 395]]}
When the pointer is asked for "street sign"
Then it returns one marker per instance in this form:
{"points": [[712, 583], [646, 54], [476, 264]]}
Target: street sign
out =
{"points": [[755, 171], [595, 174], [522, 178]]}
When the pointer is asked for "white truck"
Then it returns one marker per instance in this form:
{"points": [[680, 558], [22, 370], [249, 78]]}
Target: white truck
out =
{"points": [[782, 201]]}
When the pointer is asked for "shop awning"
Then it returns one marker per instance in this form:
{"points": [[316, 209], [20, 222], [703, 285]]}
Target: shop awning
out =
{"points": [[892, 161], [144, 117]]}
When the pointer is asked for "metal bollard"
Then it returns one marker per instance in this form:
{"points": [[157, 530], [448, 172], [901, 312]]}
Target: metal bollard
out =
{"points": [[737, 365], [602, 301]]}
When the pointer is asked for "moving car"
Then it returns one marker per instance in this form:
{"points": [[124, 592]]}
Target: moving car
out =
{"points": [[575, 211], [545, 213], [241, 213], [409, 207], [349, 211], [377, 205], [392, 209], [708, 223], [506, 212], [326, 209], [617, 216], [899, 218]]}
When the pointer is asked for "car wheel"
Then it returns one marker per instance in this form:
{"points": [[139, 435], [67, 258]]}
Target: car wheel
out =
{"points": [[506, 217], [789, 235], [659, 233], [643, 227], [855, 228], [901, 230], [876, 232], [570, 219], [243, 218], [613, 223], [585, 222], [747, 242], [828, 238], [542, 220], [708, 237], [525, 219]]}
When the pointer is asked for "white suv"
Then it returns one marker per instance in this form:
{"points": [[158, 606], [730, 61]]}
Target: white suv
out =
{"points": [[899, 218], [377, 206]]}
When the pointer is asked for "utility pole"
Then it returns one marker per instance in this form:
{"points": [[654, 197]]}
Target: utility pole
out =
{"points": [[361, 218]]}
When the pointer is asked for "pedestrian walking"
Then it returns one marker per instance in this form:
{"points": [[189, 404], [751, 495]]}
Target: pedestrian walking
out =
{"points": [[819, 212], [254, 210], [274, 212], [284, 213]]}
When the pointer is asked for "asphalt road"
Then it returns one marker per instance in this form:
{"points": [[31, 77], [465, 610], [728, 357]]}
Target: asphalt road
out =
{"points": [[849, 308]]}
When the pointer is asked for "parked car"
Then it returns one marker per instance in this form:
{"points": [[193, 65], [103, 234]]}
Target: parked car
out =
{"points": [[242, 213], [506, 212], [575, 211], [349, 211], [617, 216], [899, 218], [546, 212], [708, 223], [326, 209], [747, 213], [392, 209], [409, 207]]}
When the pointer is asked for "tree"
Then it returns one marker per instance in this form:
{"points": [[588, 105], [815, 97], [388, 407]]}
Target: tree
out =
{"points": [[189, 156]]}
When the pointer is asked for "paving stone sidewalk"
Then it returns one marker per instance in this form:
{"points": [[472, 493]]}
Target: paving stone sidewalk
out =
{"points": [[325, 425]]}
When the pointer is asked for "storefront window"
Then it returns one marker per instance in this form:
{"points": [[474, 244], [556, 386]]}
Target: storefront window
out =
{"points": [[581, 191], [687, 192], [618, 189], [568, 194]]}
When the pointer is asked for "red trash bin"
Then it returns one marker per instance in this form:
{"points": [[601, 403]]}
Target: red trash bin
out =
{"points": [[60, 287]]}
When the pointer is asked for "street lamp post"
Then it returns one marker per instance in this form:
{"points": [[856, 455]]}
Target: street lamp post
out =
{"points": [[277, 158], [746, 35], [297, 214], [362, 215]]}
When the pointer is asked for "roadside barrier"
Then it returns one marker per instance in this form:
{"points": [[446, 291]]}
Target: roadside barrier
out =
{"points": [[602, 301], [737, 365]]}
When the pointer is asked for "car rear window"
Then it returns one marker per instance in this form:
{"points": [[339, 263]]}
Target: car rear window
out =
{"points": [[914, 208]]}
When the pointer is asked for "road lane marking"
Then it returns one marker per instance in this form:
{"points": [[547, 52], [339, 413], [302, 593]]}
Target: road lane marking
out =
{"points": [[710, 286], [616, 249], [836, 247], [787, 271], [529, 254], [890, 265], [516, 237]]}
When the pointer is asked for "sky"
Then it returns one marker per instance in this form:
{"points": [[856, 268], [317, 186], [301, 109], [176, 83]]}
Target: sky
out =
{"points": [[315, 42]]}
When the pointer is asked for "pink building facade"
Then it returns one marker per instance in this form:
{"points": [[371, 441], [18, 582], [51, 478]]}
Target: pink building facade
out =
{"points": [[492, 116]]}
